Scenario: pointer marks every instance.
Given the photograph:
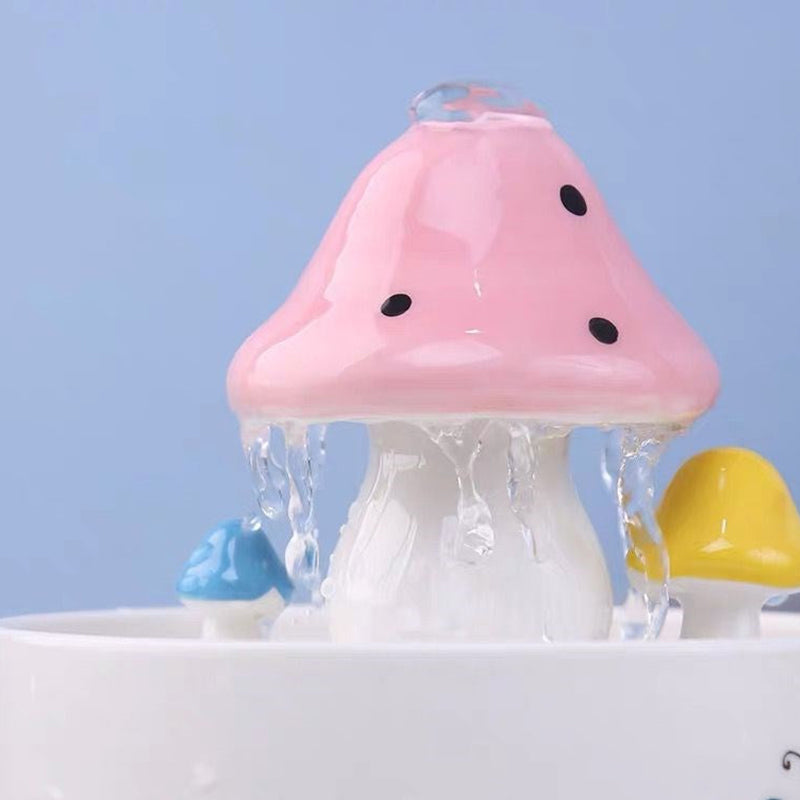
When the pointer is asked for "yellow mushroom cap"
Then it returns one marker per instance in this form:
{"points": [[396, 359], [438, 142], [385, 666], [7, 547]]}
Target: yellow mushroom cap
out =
{"points": [[728, 515]]}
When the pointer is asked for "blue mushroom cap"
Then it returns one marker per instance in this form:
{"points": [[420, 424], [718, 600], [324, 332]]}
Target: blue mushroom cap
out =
{"points": [[234, 562]]}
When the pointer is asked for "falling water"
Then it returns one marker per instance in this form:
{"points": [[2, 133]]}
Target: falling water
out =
{"points": [[523, 495], [472, 538], [523, 453], [628, 462], [267, 458], [285, 463], [305, 449]]}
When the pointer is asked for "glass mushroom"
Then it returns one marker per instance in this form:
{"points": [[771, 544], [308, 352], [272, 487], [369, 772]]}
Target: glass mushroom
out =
{"points": [[472, 302], [235, 581], [733, 536]]}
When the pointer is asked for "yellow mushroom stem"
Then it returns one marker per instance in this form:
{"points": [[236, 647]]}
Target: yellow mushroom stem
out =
{"points": [[714, 609]]}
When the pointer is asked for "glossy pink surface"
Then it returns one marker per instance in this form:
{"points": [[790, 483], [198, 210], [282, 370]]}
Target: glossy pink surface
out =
{"points": [[466, 219]]}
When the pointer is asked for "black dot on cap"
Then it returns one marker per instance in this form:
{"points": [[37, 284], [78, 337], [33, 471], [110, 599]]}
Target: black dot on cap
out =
{"points": [[573, 200], [603, 330], [395, 305]]}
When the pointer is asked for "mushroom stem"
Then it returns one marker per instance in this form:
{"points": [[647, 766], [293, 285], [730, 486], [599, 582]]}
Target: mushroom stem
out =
{"points": [[231, 626], [415, 561], [236, 619], [717, 609]]}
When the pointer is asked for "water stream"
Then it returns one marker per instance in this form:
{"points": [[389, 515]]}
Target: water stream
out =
{"points": [[628, 463], [286, 459], [472, 538], [285, 463]]}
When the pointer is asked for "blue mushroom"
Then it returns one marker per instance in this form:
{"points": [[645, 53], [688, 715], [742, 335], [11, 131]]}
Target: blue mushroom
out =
{"points": [[235, 580]]}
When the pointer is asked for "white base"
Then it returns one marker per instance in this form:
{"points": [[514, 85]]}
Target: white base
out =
{"points": [[131, 705]]}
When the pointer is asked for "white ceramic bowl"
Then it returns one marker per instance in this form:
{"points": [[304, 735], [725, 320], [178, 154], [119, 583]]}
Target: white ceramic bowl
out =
{"points": [[127, 705]]}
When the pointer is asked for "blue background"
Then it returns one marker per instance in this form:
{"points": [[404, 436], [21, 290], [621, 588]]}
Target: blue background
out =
{"points": [[166, 170]]}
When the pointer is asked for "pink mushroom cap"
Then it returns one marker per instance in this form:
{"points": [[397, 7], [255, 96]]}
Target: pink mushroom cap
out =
{"points": [[474, 270]]}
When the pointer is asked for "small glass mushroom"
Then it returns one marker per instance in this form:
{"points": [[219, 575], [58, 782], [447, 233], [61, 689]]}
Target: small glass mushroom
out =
{"points": [[472, 301], [733, 536], [235, 581]]}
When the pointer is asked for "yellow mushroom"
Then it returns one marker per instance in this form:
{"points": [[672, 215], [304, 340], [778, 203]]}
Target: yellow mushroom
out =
{"points": [[732, 532]]}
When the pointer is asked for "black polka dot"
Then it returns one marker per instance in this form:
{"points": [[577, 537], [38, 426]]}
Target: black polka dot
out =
{"points": [[396, 305], [603, 330], [573, 200]]}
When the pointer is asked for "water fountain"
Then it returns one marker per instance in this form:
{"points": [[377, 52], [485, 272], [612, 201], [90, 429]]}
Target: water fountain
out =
{"points": [[472, 303]]}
